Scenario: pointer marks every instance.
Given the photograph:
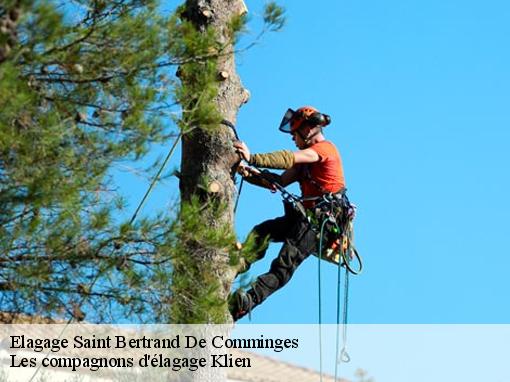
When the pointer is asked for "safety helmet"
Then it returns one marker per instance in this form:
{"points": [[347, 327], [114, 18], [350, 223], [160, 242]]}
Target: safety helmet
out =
{"points": [[306, 115]]}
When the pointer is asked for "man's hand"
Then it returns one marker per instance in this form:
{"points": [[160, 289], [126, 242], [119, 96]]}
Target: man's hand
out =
{"points": [[251, 174], [242, 150], [245, 170]]}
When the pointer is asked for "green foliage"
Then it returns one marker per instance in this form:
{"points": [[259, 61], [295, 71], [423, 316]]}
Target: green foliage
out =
{"points": [[196, 277], [274, 16], [237, 27], [77, 94], [241, 260], [198, 54], [205, 258], [247, 254]]}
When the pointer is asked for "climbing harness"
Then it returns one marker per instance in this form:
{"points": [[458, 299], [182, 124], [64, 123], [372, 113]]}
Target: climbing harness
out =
{"points": [[337, 211]]}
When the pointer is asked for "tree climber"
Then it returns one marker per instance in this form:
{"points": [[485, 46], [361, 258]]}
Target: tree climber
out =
{"points": [[317, 167]]}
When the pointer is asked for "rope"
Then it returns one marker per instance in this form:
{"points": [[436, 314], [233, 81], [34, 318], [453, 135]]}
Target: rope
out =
{"points": [[338, 315], [238, 194], [342, 355], [156, 178], [227, 123], [321, 237]]}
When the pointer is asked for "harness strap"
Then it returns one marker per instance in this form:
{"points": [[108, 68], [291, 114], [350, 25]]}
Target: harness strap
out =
{"points": [[340, 193], [308, 177]]}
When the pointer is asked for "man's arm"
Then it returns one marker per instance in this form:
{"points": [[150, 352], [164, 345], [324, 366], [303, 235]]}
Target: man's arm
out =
{"points": [[306, 156], [266, 179], [284, 159], [289, 176]]}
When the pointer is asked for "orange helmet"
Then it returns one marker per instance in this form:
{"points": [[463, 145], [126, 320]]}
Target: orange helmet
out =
{"points": [[306, 115]]}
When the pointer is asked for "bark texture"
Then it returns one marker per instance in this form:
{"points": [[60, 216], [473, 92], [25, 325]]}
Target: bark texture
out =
{"points": [[210, 155], [8, 18]]}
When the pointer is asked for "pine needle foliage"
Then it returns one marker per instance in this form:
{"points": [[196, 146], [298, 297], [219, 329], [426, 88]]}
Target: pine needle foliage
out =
{"points": [[196, 278], [199, 281], [86, 85], [198, 53], [78, 92], [274, 16]]}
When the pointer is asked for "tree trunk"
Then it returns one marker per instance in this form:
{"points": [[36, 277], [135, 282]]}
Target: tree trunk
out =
{"points": [[210, 157]]}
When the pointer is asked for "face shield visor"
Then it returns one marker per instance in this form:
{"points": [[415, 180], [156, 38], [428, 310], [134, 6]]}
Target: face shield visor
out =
{"points": [[286, 120]]}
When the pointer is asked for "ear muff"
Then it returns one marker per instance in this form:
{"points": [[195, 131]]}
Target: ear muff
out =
{"points": [[327, 119], [318, 119]]}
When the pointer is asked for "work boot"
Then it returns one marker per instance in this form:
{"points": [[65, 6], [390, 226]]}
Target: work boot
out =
{"points": [[240, 304]]}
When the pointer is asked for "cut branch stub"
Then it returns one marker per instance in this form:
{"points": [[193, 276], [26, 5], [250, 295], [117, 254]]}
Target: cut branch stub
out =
{"points": [[214, 187], [241, 8], [206, 13], [246, 95], [78, 314], [223, 75], [80, 117], [77, 68]]}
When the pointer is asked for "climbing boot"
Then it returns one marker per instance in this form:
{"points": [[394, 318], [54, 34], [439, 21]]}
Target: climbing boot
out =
{"points": [[240, 304]]}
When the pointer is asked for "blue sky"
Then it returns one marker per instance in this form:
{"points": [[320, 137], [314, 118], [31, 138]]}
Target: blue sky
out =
{"points": [[419, 94]]}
